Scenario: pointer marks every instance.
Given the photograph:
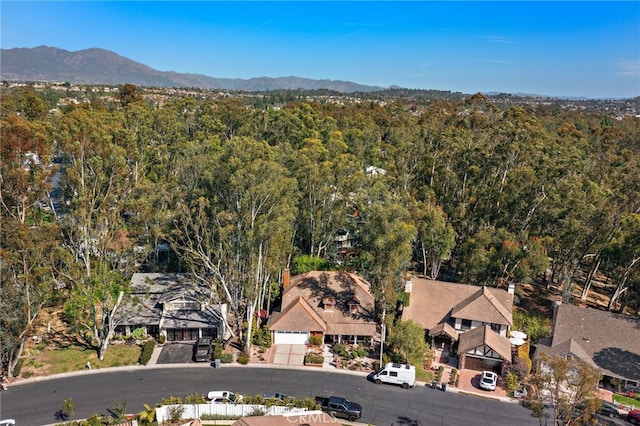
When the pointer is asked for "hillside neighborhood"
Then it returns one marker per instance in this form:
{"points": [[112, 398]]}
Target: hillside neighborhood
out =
{"points": [[487, 244]]}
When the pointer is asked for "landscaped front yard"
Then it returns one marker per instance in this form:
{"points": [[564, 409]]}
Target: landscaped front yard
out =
{"points": [[43, 360]]}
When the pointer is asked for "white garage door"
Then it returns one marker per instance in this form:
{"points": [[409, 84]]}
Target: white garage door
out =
{"points": [[291, 338]]}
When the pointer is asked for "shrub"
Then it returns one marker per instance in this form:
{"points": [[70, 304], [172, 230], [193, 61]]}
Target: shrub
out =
{"points": [[17, 368], [243, 359], [195, 398], [161, 339], [226, 358], [340, 349], [217, 350], [511, 381], [454, 377], [139, 333], [315, 340], [362, 352], [175, 413], [439, 373], [313, 359], [147, 351], [171, 400]]}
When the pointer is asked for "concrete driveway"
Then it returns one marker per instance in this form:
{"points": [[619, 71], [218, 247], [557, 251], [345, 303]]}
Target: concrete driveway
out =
{"points": [[287, 354], [176, 353], [470, 381]]}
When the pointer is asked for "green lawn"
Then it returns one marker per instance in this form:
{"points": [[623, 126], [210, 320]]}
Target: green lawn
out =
{"points": [[75, 357], [625, 400]]}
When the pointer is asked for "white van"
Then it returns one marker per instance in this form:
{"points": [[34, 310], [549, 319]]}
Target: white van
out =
{"points": [[397, 374]]}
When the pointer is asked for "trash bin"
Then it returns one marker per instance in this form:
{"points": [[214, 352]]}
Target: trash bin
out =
{"points": [[443, 386], [216, 363]]}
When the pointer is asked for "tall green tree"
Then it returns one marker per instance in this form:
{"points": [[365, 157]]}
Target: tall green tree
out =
{"points": [[407, 339], [96, 181]]}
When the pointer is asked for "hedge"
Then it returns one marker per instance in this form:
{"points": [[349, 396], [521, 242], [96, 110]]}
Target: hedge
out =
{"points": [[147, 351]]}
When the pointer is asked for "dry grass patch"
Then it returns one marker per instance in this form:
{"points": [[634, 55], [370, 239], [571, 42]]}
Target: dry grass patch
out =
{"points": [[75, 357]]}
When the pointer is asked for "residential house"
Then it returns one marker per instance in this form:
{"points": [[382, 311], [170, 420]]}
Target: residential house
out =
{"points": [[476, 319], [336, 306], [607, 341], [173, 305]]}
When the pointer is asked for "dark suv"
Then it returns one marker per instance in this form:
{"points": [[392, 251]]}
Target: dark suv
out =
{"points": [[202, 350], [609, 409]]}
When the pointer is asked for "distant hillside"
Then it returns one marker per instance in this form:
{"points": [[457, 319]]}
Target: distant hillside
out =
{"points": [[99, 66]]}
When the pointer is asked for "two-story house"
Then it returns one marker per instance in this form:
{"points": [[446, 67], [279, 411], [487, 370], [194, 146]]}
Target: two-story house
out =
{"points": [[335, 306], [476, 319]]}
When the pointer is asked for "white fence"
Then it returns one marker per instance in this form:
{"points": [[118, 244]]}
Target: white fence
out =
{"points": [[195, 411]]}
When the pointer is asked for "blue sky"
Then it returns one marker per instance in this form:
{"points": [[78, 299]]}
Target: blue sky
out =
{"points": [[574, 48]]}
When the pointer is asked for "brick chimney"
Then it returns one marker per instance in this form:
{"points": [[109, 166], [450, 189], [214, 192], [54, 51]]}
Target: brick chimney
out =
{"points": [[285, 278]]}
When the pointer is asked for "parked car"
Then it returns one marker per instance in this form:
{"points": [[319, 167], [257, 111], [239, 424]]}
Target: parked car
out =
{"points": [[609, 409], [202, 350], [223, 397], [633, 416], [397, 374], [630, 390], [337, 406], [488, 380], [278, 395]]}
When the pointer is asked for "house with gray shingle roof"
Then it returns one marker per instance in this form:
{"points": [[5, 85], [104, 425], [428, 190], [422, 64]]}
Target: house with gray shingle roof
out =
{"points": [[336, 306], [475, 318], [605, 340], [173, 305]]}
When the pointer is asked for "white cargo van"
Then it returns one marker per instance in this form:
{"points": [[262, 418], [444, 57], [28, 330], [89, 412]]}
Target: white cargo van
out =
{"points": [[397, 374]]}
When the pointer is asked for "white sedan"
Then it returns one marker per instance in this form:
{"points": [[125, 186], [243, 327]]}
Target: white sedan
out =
{"points": [[488, 380]]}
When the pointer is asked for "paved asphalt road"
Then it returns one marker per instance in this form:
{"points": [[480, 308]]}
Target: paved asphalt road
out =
{"points": [[35, 403]]}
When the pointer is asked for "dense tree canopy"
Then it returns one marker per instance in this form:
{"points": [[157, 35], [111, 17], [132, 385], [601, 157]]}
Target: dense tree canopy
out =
{"points": [[464, 191]]}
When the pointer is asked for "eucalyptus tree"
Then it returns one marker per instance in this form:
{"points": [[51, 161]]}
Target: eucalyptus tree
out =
{"points": [[234, 224], [497, 257], [29, 241], [624, 254], [387, 235], [97, 179], [436, 238], [326, 175]]}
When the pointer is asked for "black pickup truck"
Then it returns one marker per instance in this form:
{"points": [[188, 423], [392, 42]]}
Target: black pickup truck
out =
{"points": [[337, 406]]}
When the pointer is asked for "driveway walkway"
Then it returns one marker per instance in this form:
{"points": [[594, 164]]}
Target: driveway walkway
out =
{"points": [[287, 354]]}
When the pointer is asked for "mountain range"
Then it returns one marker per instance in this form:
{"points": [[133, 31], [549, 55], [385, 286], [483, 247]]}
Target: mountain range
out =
{"points": [[100, 66]]}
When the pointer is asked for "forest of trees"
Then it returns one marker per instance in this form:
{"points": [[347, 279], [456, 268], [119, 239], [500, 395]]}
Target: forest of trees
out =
{"points": [[471, 193]]}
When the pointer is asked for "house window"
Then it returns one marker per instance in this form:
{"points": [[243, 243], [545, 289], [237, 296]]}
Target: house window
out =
{"points": [[184, 305], [466, 324], [496, 328], [329, 303]]}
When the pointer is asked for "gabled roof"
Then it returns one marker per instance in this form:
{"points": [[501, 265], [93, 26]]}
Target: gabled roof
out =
{"points": [[480, 336], [568, 347], [433, 302], [299, 316], [148, 292], [192, 319], [611, 340], [485, 306], [444, 328], [302, 301]]}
